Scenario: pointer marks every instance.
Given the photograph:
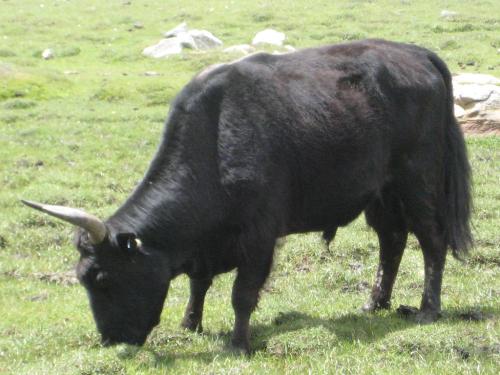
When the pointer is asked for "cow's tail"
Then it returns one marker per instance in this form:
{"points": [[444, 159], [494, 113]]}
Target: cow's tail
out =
{"points": [[457, 176]]}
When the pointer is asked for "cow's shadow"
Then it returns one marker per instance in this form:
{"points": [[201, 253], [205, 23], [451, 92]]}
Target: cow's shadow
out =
{"points": [[349, 327], [352, 327]]}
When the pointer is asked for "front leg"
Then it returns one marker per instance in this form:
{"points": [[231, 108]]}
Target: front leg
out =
{"points": [[248, 283], [194, 309]]}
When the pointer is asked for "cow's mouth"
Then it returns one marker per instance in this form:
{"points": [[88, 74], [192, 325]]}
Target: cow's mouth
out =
{"points": [[107, 341]]}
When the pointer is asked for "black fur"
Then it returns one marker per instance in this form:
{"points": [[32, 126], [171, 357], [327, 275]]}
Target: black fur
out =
{"points": [[272, 145]]}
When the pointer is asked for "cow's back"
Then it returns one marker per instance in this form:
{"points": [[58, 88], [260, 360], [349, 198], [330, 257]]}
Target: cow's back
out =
{"points": [[314, 135]]}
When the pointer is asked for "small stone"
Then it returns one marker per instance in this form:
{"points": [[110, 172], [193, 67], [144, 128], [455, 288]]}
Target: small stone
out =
{"points": [[289, 48], [448, 13], [269, 36], [151, 73], [244, 49], [47, 54], [138, 25]]}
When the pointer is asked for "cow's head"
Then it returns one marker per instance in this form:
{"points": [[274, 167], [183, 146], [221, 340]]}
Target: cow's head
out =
{"points": [[126, 281]]}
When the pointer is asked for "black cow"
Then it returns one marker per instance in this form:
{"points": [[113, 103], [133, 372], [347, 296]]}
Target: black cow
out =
{"points": [[271, 145]]}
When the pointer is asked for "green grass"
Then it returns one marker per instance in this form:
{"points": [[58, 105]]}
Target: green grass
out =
{"points": [[81, 128]]}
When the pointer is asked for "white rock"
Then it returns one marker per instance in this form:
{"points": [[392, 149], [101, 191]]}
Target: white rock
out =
{"points": [[459, 111], [493, 102], [480, 79], [244, 49], [479, 95], [181, 28], [290, 48], [269, 36], [186, 40], [448, 13], [48, 54], [464, 95], [204, 39], [151, 73], [164, 48]]}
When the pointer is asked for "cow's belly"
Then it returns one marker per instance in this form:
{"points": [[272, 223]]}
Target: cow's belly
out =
{"points": [[323, 214]]}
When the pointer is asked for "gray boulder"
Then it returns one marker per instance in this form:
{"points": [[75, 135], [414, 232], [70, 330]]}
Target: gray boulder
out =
{"points": [[204, 39], [164, 48], [179, 38]]}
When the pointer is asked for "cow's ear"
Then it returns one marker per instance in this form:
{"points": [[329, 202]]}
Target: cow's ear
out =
{"points": [[128, 242]]}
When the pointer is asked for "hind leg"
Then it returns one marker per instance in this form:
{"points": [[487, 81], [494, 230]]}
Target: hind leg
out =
{"points": [[386, 217], [434, 250], [422, 184]]}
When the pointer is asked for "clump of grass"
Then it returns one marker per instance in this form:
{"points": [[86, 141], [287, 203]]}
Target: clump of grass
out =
{"points": [[19, 104], [262, 17], [7, 53], [112, 93], [157, 93], [36, 86], [68, 52], [449, 44], [23, 86]]}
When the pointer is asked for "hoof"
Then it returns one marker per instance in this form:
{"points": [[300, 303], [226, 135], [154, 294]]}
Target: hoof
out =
{"points": [[420, 317], [372, 306], [427, 317], [192, 326], [240, 348]]}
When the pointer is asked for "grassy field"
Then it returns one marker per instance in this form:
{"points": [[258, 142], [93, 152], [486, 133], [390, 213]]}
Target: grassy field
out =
{"points": [[81, 128]]}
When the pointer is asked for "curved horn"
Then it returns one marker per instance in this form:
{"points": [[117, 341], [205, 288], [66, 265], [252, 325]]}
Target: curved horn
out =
{"points": [[96, 228]]}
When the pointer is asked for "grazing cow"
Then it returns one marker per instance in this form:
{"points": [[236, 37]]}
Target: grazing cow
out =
{"points": [[271, 145]]}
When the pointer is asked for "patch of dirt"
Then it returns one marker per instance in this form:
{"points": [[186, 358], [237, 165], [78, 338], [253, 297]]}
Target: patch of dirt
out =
{"points": [[355, 287], [59, 278], [479, 259], [477, 128], [25, 163], [304, 265], [13, 274]]}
